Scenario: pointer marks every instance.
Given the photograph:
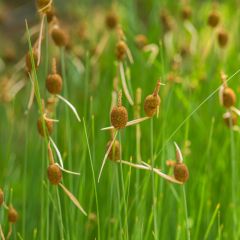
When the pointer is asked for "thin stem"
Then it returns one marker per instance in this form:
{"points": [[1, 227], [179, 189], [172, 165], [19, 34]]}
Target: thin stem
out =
{"points": [[186, 213], [60, 215]]}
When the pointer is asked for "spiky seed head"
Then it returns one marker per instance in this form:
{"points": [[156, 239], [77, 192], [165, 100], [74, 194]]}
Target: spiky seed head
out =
{"points": [[12, 214], [28, 62], [111, 20], [54, 174], [1, 197], [114, 153], [186, 12], [181, 172], [119, 117], [213, 19], [141, 41], [228, 97], [59, 36], [230, 119], [121, 50], [48, 124], [152, 102], [54, 83], [222, 38]]}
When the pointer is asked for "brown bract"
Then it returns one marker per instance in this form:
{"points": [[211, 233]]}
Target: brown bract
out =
{"points": [[111, 20], [181, 172], [12, 214], [230, 119], [228, 97], [222, 38], [54, 83], [1, 197], [59, 36], [114, 153], [213, 19], [28, 62], [48, 124], [119, 117], [54, 174], [151, 104]]}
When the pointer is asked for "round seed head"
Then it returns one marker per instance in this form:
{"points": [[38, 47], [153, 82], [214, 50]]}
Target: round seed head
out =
{"points": [[54, 174], [50, 14], [181, 172], [228, 97], [28, 62], [167, 21], [222, 38], [119, 117], [1, 197], [59, 37], [54, 83], [186, 12], [12, 214], [141, 41], [48, 124], [230, 119], [114, 153], [213, 19], [121, 50], [111, 20]]}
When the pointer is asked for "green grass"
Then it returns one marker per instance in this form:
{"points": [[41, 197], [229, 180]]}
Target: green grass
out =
{"points": [[128, 203]]}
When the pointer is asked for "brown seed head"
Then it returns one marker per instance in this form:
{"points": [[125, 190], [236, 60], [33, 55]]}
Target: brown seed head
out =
{"points": [[54, 174], [59, 36], [54, 83], [121, 50], [167, 21], [114, 153], [213, 19], [230, 119], [12, 215], [228, 97], [181, 172], [222, 38], [152, 102], [141, 41], [111, 20], [51, 13], [186, 12], [1, 197], [28, 62], [48, 124]]}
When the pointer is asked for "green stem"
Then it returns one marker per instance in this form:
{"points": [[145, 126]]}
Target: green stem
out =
{"points": [[186, 213]]}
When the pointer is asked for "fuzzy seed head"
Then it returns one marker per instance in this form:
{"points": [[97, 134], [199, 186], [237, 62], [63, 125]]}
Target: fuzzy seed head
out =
{"points": [[121, 50], [59, 37], [28, 62], [54, 174], [119, 117], [228, 97], [151, 104], [111, 20], [181, 172], [54, 83], [213, 19], [48, 124], [141, 41], [12, 215], [1, 197], [114, 153], [222, 38], [230, 119]]}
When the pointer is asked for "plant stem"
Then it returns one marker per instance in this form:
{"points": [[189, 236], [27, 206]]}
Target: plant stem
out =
{"points": [[186, 213]]}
